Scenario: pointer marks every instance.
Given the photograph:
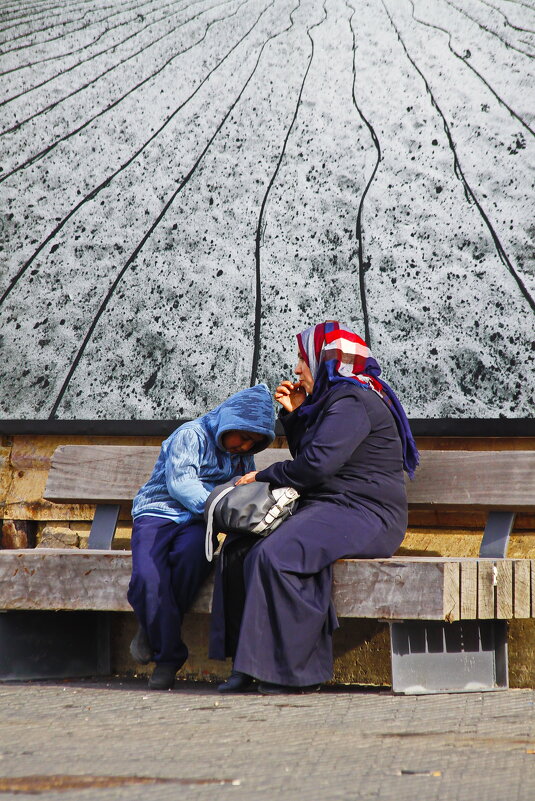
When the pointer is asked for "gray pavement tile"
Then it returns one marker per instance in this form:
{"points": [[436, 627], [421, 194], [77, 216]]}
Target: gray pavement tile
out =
{"points": [[338, 745]]}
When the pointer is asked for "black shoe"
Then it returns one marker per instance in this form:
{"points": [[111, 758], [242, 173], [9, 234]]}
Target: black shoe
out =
{"points": [[236, 683], [266, 688], [140, 649], [163, 677]]}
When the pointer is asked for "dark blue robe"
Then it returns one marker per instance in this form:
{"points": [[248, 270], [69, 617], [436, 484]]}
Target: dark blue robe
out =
{"points": [[348, 468]]}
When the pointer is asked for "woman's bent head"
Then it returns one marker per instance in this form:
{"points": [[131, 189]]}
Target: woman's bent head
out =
{"points": [[331, 353], [342, 351]]}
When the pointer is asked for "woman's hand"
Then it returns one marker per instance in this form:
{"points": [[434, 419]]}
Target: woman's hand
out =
{"points": [[248, 478], [290, 396]]}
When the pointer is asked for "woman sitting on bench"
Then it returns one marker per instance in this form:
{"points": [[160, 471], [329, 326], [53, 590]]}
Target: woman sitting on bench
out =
{"points": [[168, 558], [350, 440]]}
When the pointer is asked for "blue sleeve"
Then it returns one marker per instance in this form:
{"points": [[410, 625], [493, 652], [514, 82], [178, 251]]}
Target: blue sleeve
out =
{"points": [[248, 464], [345, 425], [183, 461]]}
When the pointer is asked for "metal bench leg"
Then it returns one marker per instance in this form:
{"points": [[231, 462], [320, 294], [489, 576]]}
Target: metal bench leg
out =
{"points": [[436, 657], [465, 656], [103, 526], [54, 645]]}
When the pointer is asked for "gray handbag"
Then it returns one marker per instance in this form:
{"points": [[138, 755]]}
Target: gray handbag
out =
{"points": [[255, 508]]}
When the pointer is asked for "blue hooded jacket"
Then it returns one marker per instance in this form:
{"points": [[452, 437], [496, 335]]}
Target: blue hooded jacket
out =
{"points": [[192, 460]]}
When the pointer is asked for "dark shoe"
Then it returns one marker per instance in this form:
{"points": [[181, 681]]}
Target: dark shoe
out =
{"points": [[266, 688], [163, 677], [140, 648], [236, 683]]}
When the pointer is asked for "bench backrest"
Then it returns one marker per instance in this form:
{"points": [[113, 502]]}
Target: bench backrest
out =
{"points": [[480, 479]]}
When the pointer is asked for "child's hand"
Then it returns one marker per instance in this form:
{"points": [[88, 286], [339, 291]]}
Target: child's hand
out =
{"points": [[290, 396], [248, 478]]}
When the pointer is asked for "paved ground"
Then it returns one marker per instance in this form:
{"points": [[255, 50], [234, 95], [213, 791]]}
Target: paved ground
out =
{"points": [[116, 740]]}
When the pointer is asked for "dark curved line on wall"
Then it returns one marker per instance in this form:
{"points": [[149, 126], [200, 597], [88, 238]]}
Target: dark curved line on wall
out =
{"points": [[27, 19], [12, 14], [101, 52], [17, 5], [62, 35], [29, 4], [47, 28], [42, 153], [107, 72], [134, 8], [489, 30], [520, 3], [107, 181], [153, 227], [57, 57], [358, 225], [506, 18], [469, 193], [28, 10], [74, 30], [467, 63], [258, 236], [38, 6], [13, 8]]}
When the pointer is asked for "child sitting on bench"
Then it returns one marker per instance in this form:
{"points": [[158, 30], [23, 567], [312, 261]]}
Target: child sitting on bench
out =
{"points": [[168, 556]]}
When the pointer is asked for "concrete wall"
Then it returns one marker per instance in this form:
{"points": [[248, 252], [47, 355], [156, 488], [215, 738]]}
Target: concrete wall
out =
{"points": [[185, 185]]}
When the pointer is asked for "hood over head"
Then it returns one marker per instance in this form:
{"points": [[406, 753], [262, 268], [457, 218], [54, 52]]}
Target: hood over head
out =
{"points": [[250, 409]]}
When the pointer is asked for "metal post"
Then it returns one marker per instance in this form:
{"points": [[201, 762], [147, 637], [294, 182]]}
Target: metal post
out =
{"points": [[103, 526], [464, 656]]}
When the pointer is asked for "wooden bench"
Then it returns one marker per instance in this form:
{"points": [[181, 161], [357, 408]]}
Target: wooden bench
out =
{"points": [[447, 616]]}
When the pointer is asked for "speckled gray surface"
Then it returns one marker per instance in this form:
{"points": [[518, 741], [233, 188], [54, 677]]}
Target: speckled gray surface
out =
{"points": [[185, 185]]}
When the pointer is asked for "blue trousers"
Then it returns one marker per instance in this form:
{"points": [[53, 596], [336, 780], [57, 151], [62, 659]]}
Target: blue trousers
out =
{"points": [[168, 567]]}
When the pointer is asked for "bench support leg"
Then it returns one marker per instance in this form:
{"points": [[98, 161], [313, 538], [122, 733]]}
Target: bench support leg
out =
{"points": [[54, 645], [437, 657], [103, 526]]}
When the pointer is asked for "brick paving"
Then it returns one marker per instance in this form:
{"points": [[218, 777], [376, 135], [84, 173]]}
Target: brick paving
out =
{"points": [[340, 745]]}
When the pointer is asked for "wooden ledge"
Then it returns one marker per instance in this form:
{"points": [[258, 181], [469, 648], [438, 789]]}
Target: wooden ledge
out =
{"points": [[449, 479], [400, 588]]}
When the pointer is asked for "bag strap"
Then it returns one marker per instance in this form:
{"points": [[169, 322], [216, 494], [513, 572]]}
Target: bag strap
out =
{"points": [[287, 496], [208, 542]]}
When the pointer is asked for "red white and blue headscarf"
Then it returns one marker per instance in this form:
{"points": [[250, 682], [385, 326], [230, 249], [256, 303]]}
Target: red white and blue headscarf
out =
{"points": [[333, 354]]}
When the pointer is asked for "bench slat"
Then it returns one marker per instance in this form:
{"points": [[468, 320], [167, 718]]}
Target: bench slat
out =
{"points": [[522, 588], [390, 589], [504, 590], [452, 591], [486, 575], [411, 588], [469, 589], [112, 473], [479, 479], [99, 473]]}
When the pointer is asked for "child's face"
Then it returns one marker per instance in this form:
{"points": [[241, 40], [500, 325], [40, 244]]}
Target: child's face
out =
{"points": [[240, 441]]}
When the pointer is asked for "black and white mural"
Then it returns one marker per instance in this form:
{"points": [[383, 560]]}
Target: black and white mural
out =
{"points": [[185, 185]]}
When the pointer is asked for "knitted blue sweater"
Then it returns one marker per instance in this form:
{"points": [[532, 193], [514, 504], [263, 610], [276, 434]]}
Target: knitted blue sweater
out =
{"points": [[192, 461]]}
